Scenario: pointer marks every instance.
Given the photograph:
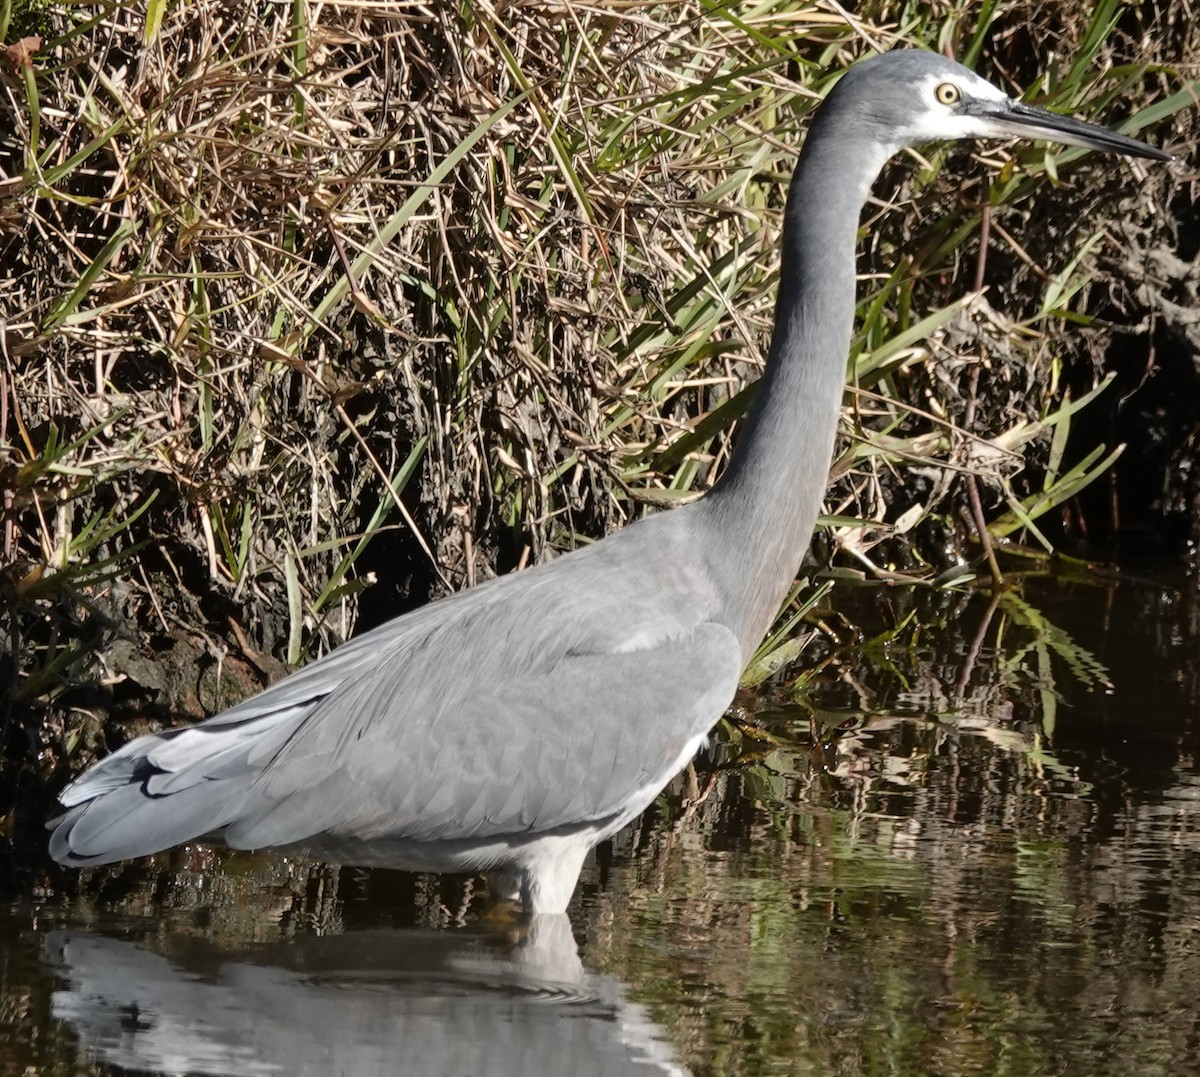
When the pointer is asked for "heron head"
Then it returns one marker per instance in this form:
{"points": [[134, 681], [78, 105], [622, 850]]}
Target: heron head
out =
{"points": [[908, 97]]}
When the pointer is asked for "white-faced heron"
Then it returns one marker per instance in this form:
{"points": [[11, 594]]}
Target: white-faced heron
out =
{"points": [[512, 726]]}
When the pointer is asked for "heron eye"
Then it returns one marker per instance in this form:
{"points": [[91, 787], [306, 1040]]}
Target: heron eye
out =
{"points": [[947, 93]]}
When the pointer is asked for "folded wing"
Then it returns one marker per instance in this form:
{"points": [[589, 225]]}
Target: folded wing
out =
{"points": [[482, 721]]}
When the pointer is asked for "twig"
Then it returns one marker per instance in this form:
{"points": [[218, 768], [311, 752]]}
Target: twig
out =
{"points": [[985, 539]]}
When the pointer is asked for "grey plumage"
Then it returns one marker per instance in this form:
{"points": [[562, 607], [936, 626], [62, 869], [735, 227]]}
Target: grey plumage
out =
{"points": [[512, 726]]}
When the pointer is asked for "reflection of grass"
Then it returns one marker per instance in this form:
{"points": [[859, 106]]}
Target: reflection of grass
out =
{"points": [[890, 883], [950, 930], [817, 953]]}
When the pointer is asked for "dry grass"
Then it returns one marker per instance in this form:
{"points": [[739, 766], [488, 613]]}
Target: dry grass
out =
{"points": [[514, 261]]}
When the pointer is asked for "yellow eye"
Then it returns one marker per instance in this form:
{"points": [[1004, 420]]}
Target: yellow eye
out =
{"points": [[947, 93]]}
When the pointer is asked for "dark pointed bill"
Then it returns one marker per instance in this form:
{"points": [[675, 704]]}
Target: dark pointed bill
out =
{"points": [[1029, 121]]}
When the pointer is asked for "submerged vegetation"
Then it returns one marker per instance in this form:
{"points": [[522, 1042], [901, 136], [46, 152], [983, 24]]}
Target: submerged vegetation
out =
{"points": [[309, 317]]}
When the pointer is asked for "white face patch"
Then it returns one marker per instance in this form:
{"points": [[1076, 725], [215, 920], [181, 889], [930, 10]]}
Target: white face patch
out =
{"points": [[938, 122]]}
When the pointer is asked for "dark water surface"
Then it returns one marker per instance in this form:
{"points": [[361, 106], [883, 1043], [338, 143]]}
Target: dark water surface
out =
{"points": [[966, 842]]}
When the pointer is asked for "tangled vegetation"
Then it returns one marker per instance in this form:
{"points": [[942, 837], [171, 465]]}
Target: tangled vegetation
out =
{"points": [[307, 317]]}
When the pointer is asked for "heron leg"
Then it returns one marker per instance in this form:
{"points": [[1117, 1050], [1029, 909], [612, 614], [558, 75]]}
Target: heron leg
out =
{"points": [[543, 879]]}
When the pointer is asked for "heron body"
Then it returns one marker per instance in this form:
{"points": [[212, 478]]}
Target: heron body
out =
{"points": [[512, 726]]}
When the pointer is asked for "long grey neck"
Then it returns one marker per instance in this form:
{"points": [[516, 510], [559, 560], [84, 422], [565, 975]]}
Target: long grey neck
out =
{"points": [[763, 509]]}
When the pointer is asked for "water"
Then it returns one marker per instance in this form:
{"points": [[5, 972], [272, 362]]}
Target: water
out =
{"points": [[966, 845]]}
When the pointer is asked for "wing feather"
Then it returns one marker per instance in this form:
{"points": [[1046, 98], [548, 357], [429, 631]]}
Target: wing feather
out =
{"points": [[581, 738], [552, 699]]}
